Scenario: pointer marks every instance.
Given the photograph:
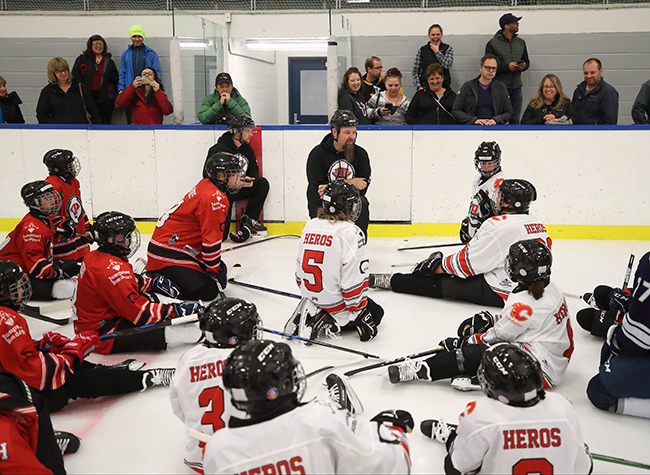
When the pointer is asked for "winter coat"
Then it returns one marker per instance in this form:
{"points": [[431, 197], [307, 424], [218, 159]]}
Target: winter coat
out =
{"points": [[212, 112], [144, 113], [598, 106], [508, 51], [369, 89], [535, 116], [84, 72], [57, 107], [127, 75], [378, 101], [354, 103], [467, 99], [10, 105], [424, 109]]}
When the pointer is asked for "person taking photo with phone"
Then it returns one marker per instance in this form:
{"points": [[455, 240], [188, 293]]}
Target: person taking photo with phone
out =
{"points": [[146, 99]]}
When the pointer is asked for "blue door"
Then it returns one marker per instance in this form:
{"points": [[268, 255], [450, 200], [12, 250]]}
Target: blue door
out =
{"points": [[308, 90]]}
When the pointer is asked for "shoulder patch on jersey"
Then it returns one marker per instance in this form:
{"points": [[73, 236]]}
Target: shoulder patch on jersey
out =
{"points": [[468, 409], [340, 169], [497, 183], [14, 330], [74, 208], [521, 312]]}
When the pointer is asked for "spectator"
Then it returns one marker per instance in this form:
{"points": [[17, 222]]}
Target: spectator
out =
{"points": [[237, 140], [434, 104], [483, 101], [550, 105], [512, 56], [136, 57], [374, 79], [435, 51], [10, 105], [146, 99], [595, 100], [64, 100], [350, 97], [389, 107], [225, 102], [640, 108], [95, 69]]}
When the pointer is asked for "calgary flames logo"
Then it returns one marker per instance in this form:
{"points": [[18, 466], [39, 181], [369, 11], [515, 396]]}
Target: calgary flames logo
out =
{"points": [[521, 312]]}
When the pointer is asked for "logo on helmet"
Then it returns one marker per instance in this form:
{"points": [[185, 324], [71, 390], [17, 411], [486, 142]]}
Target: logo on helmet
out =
{"points": [[272, 394]]}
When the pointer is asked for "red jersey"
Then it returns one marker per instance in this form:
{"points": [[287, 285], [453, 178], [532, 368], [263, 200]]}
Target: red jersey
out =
{"points": [[18, 437], [30, 246], [71, 207], [109, 290], [39, 369], [190, 233]]}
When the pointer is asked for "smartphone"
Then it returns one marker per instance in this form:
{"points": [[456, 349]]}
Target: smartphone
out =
{"points": [[145, 80], [521, 62]]}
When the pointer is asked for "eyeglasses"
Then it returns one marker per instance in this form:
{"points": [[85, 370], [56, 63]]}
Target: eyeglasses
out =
{"points": [[489, 68], [549, 87], [378, 67], [61, 71]]}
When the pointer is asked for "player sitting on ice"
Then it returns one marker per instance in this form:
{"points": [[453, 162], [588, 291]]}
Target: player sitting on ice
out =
{"points": [[622, 384], [72, 231], [535, 318], [186, 245], [30, 243], [332, 271], [283, 435], [55, 366], [111, 297], [487, 161], [476, 273], [197, 393], [518, 428]]}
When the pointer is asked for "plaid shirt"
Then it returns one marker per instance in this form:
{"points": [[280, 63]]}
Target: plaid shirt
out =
{"points": [[445, 59]]}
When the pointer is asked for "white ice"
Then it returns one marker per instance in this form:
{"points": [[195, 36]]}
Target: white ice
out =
{"points": [[137, 433]]}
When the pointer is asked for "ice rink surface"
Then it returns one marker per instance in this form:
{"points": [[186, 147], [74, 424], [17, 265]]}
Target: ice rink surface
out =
{"points": [[138, 433]]}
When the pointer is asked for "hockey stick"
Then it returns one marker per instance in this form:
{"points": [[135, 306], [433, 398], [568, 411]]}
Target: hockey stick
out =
{"points": [[264, 289], [405, 264], [200, 436], [628, 271], [257, 241], [432, 246], [321, 343], [152, 326], [352, 372], [35, 312], [620, 461], [325, 368]]}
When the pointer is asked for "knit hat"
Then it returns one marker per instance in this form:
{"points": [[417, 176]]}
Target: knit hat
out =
{"points": [[136, 30]]}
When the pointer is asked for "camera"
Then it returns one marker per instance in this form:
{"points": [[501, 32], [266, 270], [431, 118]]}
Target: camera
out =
{"points": [[391, 107], [145, 80]]}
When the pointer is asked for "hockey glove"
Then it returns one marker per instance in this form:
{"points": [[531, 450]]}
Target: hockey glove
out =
{"points": [[619, 302], [69, 228], [165, 286], [451, 343], [51, 341], [221, 279], [397, 418], [464, 231], [81, 346], [185, 308], [366, 325], [484, 206], [428, 266], [479, 323]]}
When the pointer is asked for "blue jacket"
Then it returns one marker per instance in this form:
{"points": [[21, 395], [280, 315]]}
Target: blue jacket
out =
{"points": [[127, 75]]}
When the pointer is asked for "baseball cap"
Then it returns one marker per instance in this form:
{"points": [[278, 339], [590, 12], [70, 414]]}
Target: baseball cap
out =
{"points": [[507, 19], [221, 77]]}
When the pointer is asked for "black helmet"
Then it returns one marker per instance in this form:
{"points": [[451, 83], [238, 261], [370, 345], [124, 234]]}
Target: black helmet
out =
{"points": [[511, 375], [487, 159], [518, 194], [261, 374], [343, 118], [342, 197], [15, 287], [238, 122], [42, 197], [223, 165], [62, 163], [230, 322], [110, 226], [528, 261]]}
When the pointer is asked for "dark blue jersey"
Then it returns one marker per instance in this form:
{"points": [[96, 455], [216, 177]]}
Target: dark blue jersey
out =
{"points": [[633, 334]]}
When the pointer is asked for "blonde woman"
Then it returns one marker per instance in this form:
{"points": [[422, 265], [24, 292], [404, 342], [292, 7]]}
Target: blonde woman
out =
{"points": [[64, 100], [550, 105]]}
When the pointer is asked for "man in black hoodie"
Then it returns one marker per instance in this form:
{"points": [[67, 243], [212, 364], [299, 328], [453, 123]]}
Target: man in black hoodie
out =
{"points": [[237, 141], [337, 156]]}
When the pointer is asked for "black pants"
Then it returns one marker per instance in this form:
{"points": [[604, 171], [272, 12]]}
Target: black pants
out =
{"points": [[448, 364], [104, 109], [151, 340], [91, 381], [474, 289], [256, 196], [41, 288], [194, 285]]}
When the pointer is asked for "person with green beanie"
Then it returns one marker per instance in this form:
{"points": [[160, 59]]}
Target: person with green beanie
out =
{"points": [[136, 57]]}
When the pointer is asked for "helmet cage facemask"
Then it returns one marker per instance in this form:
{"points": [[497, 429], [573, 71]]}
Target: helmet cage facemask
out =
{"points": [[18, 293], [51, 210]]}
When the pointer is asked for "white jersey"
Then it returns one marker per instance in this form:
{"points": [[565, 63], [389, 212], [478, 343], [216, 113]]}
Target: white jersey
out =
{"points": [[199, 399], [489, 186], [486, 252], [316, 437], [541, 327], [332, 267], [498, 438]]}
